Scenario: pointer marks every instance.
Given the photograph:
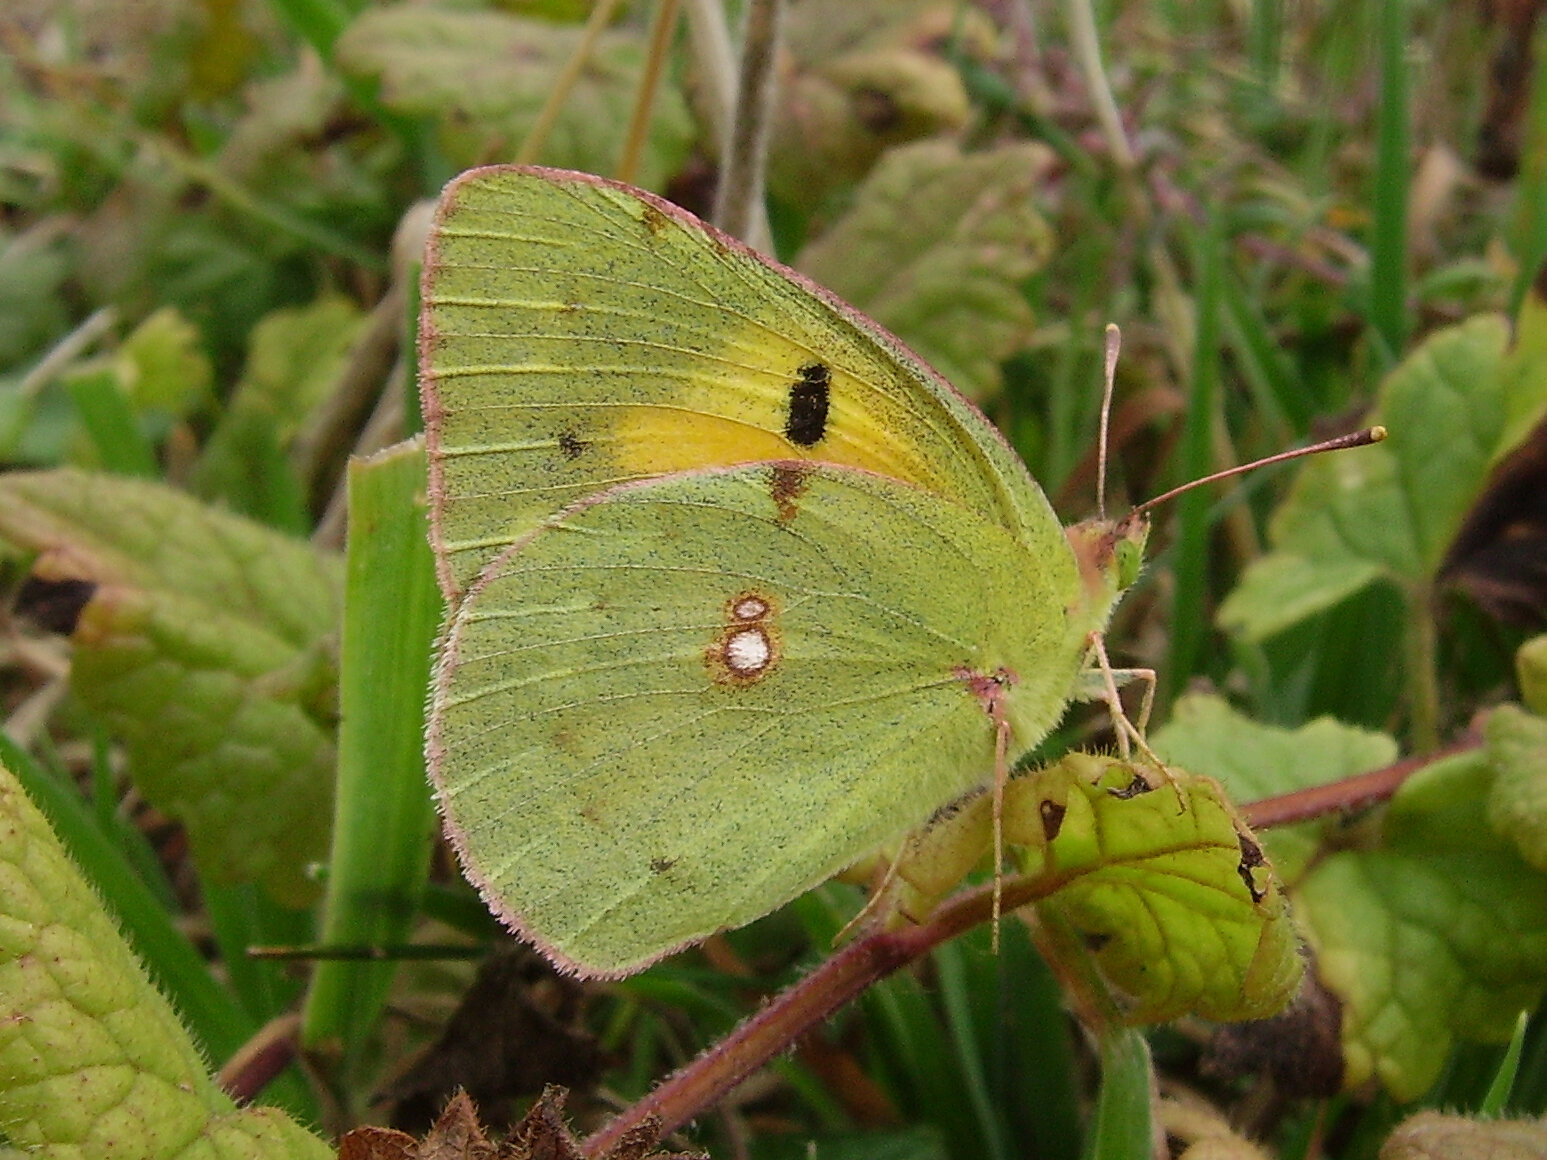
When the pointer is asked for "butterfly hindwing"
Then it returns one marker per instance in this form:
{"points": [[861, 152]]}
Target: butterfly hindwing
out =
{"points": [[683, 702]]}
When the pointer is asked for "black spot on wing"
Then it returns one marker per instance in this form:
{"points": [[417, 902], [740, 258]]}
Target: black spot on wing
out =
{"points": [[806, 421], [572, 445]]}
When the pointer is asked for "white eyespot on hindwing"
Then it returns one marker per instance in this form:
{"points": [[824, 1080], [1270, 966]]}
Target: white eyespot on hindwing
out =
{"points": [[747, 646]]}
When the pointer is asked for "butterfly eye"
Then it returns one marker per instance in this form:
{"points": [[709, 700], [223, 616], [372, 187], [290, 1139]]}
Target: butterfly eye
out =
{"points": [[1128, 555]]}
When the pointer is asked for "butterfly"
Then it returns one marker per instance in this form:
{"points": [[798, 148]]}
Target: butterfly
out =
{"points": [[739, 589]]}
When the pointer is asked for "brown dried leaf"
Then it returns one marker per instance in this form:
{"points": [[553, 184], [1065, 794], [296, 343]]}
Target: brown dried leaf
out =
{"points": [[501, 1044]]}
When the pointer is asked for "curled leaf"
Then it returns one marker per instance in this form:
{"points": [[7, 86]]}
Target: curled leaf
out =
{"points": [[1155, 877]]}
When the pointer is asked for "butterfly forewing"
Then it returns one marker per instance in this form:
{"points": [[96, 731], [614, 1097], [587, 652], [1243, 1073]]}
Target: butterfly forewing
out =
{"points": [[578, 334], [686, 701]]}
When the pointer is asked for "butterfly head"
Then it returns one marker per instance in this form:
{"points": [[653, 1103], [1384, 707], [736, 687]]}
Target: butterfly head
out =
{"points": [[1110, 554]]}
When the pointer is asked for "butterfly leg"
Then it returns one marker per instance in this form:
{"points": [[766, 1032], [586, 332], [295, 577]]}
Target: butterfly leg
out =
{"points": [[879, 899], [1129, 735], [1001, 779]]}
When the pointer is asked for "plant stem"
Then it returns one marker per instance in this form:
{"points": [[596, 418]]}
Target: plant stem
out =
{"points": [[662, 25], [856, 967], [739, 196], [1388, 242], [1422, 655], [547, 117]]}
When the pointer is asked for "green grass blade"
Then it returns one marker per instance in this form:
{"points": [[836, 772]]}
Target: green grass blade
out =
{"points": [[968, 1041], [109, 420], [1530, 225], [1509, 1067], [1529, 1096], [242, 916], [1282, 408], [1388, 237], [383, 817], [1189, 611], [1121, 1129], [1042, 1092], [916, 1050]]}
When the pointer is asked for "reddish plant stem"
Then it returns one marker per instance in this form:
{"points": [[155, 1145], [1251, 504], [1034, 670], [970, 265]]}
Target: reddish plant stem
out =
{"points": [[858, 966], [864, 962], [260, 1060], [1349, 793]]}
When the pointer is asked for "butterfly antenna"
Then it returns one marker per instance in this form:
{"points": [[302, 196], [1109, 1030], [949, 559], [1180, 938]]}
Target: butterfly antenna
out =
{"points": [[1113, 345], [1342, 443]]}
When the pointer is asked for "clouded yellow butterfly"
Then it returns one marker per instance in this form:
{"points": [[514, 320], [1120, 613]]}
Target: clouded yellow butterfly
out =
{"points": [[739, 588]]}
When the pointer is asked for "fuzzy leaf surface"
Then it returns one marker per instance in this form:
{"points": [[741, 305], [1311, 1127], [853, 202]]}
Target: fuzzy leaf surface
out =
{"points": [[1182, 913], [94, 1064]]}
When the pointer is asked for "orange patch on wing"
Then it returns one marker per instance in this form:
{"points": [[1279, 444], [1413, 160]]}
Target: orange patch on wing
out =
{"points": [[786, 487]]}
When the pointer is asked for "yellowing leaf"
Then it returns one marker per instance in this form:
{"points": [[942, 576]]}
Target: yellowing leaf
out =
{"points": [[936, 248], [206, 649], [486, 75], [163, 365]]}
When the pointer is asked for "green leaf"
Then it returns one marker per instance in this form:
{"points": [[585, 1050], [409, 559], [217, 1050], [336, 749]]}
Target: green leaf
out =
{"points": [[294, 358], [1423, 949], [1497, 1095], [1453, 409], [1517, 804], [119, 445], [863, 77], [1428, 929], [385, 822], [1252, 760], [1531, 673], [206, 650], [936, 247], [163, 366], [212, 1016], [93, 1061], [1121, 1128], [486, 75], [1183, 913]]}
